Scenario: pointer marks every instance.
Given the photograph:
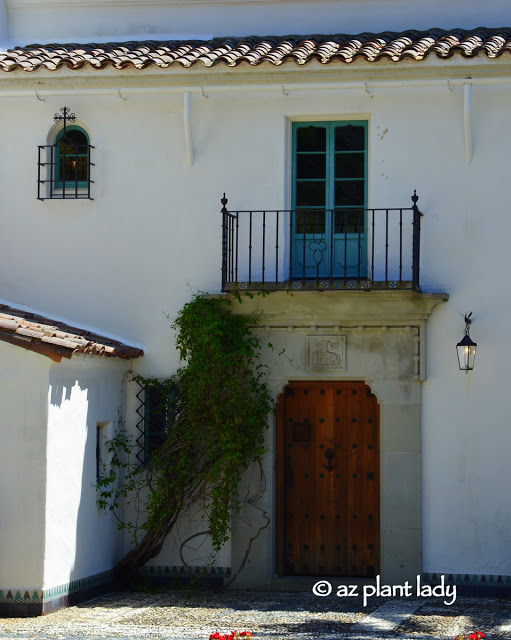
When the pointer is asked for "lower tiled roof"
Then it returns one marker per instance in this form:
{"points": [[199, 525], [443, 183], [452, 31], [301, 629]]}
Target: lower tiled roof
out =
{"points": [[395, 46], [56, 339]]}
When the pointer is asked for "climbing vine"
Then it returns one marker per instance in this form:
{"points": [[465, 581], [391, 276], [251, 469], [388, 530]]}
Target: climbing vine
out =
{"points": [[215, 430]]}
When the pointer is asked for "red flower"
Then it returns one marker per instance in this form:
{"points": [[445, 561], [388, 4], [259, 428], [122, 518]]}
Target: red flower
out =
{"points": [[235, 635]]}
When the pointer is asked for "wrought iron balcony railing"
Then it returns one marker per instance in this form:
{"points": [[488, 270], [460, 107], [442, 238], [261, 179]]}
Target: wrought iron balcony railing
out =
{"points": [[343, 248]]}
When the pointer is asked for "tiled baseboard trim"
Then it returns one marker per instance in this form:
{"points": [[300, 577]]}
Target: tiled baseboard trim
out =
{"points": [[23, 603], [178, 570], [177, 575], [30, 601]]}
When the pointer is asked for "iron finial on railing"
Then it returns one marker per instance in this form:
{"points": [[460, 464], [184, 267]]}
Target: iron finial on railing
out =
{"points": [[224, 201], [416, 241]]}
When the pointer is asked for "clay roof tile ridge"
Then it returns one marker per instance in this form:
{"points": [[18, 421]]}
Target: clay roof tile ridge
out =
{"points": [[416, 44]]}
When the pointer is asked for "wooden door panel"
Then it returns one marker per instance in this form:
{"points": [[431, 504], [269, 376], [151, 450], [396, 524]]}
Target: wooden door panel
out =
{"points": [[329, 490], [303, 535], [362, 472]]}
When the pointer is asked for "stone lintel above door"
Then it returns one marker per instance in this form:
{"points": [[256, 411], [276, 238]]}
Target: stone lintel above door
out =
{"points": [[333, 307], [344, 335]]}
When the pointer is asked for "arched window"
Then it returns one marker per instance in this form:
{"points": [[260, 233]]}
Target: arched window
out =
{"points": [[64, 167], [72, 158]]}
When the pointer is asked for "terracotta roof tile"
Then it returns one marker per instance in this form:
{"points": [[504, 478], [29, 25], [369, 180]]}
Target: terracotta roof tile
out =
{"points": [[56, 339], [275, 50]]}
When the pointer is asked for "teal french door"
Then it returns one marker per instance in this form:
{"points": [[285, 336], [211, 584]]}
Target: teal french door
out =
{"points": [[329, 226]]}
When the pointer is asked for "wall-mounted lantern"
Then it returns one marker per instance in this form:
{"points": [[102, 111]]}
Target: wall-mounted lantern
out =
{"points": [[466, 348]]}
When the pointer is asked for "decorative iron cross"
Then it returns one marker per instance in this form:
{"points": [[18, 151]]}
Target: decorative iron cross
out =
{"points": [[66, 116]]}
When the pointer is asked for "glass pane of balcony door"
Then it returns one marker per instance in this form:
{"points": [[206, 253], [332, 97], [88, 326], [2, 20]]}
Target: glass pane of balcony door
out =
{"points": [[329, 198]]}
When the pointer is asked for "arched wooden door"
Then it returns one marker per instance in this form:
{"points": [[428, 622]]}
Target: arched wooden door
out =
{"points": [[328, 489]]}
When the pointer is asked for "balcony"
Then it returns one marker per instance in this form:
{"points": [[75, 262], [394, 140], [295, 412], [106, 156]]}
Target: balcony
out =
{"points": [[322, 249]]}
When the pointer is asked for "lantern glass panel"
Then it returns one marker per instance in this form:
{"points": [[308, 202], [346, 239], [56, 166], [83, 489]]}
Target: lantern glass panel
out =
{"points": [[466, 353]]}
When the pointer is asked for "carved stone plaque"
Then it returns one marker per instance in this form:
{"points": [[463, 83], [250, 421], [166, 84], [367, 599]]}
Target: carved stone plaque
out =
{"points": [[326, 353]]}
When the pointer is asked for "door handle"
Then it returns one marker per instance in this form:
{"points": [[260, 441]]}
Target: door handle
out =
{"points": [[329, 455]]}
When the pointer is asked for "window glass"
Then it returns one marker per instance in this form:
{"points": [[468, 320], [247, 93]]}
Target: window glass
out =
{"points": [[311, 165], [349, 138], [159, 415], [349, 221], [311, 221], [349, 193], [310, 194], [312, 138], [349, 165], [72, 157]]}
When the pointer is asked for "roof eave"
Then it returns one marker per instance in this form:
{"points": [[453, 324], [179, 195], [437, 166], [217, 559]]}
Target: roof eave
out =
{"points": [[176, 77]]}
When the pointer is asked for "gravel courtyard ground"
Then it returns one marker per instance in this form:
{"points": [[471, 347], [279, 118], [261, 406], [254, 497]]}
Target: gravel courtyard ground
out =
{"points": [[280, 616]]}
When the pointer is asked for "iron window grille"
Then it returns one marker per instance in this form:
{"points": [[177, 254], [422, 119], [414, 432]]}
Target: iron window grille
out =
{"points": [[157, 411], [64, 168]]}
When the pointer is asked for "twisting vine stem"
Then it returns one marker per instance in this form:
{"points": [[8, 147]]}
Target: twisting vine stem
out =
{"points": [[219, 417]]}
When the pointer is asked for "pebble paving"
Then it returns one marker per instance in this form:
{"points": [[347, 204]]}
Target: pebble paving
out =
{"points": [[175, 615]]}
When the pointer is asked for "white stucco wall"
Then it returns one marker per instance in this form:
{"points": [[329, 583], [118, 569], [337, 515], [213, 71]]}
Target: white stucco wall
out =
{"points": [[152, 234], [81, 540], [196, 552], [23, 389], [465, 433], [3, 24], [100, 20]]}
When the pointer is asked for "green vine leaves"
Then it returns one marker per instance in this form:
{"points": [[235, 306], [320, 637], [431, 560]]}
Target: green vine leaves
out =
{"points": [[216, 411]]}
